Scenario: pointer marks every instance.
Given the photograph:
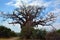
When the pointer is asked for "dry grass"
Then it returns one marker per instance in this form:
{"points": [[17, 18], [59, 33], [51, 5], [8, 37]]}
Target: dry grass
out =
{"points": [[14, 38]]}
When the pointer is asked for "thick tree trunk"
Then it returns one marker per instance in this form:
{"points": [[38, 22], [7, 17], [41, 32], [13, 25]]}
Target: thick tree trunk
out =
{"points": [[26, 29]]}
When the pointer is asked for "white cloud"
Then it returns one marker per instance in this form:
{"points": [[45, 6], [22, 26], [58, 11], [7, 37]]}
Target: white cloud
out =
{"points": [[9, 3], [47, 4], [49, 28], [57, 25], [18, 3], [39, 2], [55, 4], [56, 10], [15, 27], [14, 3]]}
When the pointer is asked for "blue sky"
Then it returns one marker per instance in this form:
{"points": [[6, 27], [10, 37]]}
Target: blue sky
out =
{"points": [[10, 5]]}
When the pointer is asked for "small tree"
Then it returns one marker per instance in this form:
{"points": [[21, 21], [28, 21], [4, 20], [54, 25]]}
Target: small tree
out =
{"points": [[29, 17], [6, 32]]}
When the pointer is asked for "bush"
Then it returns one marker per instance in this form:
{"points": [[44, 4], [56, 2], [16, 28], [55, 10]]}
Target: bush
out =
{"points": [[39, 34], [34, 34], [6, 32], [58, 31], [54, 35]]}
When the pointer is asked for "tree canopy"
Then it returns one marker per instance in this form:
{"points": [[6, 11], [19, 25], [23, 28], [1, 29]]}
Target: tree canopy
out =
{"points": [[6, 32], [29, 17]]}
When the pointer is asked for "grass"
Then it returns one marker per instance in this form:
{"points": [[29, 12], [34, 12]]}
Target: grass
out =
{"points": [[14, 38]]}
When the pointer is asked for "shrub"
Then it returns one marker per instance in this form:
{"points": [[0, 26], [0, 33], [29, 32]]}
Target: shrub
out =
{"points": [[34, 34], [6, 32], [54, 35]]}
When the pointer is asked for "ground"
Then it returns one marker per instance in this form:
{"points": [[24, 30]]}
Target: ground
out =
{"points": [[14, 38]]}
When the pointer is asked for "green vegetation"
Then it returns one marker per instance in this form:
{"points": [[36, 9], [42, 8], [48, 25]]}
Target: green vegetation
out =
{"points": [[37, 34], [29, 17], [6, 32], [58, 31], [34, 34], [54, 35], [41, 35]]}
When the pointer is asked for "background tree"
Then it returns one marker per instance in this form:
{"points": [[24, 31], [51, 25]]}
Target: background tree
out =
{"points": [[6, 32], [53, 35], [29, 17]]}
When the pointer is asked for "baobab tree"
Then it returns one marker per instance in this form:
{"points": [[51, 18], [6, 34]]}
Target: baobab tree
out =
{"points": [[29, 17]]}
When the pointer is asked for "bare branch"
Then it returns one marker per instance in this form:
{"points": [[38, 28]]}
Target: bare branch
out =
{"points": [[26, 15]]}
